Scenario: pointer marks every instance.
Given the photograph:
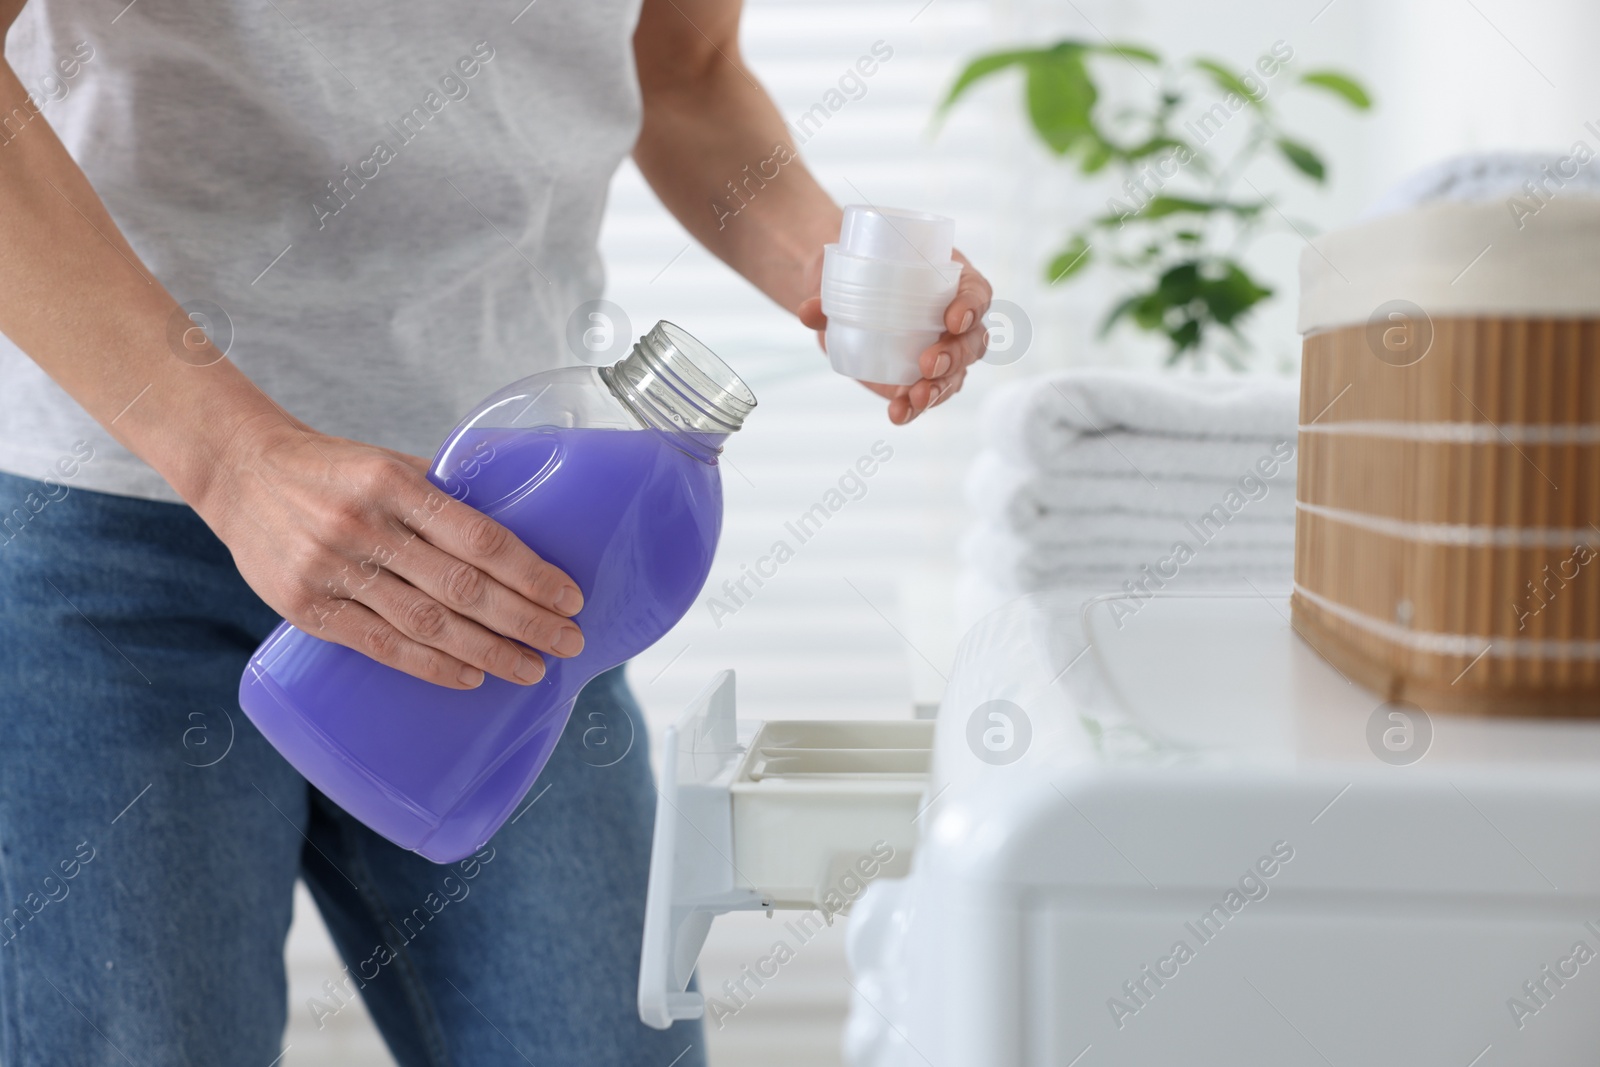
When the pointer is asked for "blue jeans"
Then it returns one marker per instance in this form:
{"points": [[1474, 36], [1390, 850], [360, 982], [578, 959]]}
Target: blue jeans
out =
{"points": [[150, 838]]}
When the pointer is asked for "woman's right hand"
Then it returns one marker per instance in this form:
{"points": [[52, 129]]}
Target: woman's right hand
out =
{"points": [[352, 544]]}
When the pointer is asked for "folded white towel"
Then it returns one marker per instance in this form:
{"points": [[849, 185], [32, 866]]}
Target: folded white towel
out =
{"points": [[1032, 421], [1044, 507], [1481, 176], [1117, 535], [977, 594], [1148, 456], [1227, 557]]}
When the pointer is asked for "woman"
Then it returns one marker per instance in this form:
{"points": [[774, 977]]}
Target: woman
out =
{"points": [[379, 217]]}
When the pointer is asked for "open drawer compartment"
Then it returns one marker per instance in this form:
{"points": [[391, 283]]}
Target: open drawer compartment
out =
{"points": [[762, 816]]}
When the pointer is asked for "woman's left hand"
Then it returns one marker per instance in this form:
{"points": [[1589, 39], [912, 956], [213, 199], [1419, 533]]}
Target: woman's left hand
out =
{"points": [[945, 362]]}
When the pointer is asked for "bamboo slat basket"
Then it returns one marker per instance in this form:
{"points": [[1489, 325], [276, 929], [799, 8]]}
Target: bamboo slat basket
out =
{"points": [[1447, 545]]}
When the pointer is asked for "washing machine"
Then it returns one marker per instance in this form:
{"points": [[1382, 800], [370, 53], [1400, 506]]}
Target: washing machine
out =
{"points": [[1149, 830]]}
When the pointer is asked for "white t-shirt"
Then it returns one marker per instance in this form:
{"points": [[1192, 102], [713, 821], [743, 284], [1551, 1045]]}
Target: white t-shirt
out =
{"points": [[395, 206]]}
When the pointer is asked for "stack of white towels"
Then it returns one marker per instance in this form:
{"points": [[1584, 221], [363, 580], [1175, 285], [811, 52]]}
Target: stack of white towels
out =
{"points": [[1107, 481]]}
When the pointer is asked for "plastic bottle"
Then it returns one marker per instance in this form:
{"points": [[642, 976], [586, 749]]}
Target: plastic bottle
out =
{"points": [[608, 473], [885, 288]]}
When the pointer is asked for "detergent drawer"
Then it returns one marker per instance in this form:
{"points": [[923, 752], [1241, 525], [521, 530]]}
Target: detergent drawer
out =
{"points": [[768, 815], [817, 804]]}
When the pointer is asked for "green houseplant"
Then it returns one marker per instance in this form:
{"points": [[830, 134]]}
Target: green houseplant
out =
{"points": [[1176, 227]]}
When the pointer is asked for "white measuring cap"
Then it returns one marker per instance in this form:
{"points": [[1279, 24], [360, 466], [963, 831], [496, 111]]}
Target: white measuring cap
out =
{"points": [[885, 288]]}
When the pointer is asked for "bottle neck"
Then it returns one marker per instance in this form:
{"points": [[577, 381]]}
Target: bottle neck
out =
{"points": [[672, 383]]}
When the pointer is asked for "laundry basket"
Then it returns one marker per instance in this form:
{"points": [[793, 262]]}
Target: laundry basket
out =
{"points": [[1447, 547]]}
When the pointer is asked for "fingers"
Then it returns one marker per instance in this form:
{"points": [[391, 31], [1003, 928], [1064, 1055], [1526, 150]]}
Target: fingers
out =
{"points": [[945, 389], [900, 408], [454, 592], [476, 539], [424, 620], [473, 590], [966, 337], [944, 368], [971, 300], [810, 313], [469, 592], [359, 627], [900, 411], [944, 364], [925, 394], [353, 544], [953, 352]]}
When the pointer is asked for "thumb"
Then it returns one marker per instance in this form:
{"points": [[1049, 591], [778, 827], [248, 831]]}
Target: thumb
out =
{"points": [[810, 313]]}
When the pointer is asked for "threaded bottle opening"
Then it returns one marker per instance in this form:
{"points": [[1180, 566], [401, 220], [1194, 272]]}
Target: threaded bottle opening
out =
{"points": [[674, 383]]}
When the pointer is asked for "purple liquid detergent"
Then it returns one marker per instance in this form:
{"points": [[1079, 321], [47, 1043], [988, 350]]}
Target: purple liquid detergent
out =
{"points": [[609, 475]]}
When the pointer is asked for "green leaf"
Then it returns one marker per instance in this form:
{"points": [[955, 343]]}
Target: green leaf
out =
{"points": [[1229, 297], [1097, 155], [1118, 312], [1227, 80], [1150, 312], [983, 67], [1069, 261], [1303, 159], [1160, 207], [1180, 283], [1154, 145], [1060, 98], [1126, 51], [1190, 298], [1114, 221], [1341, 85], [1184, 336]]}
